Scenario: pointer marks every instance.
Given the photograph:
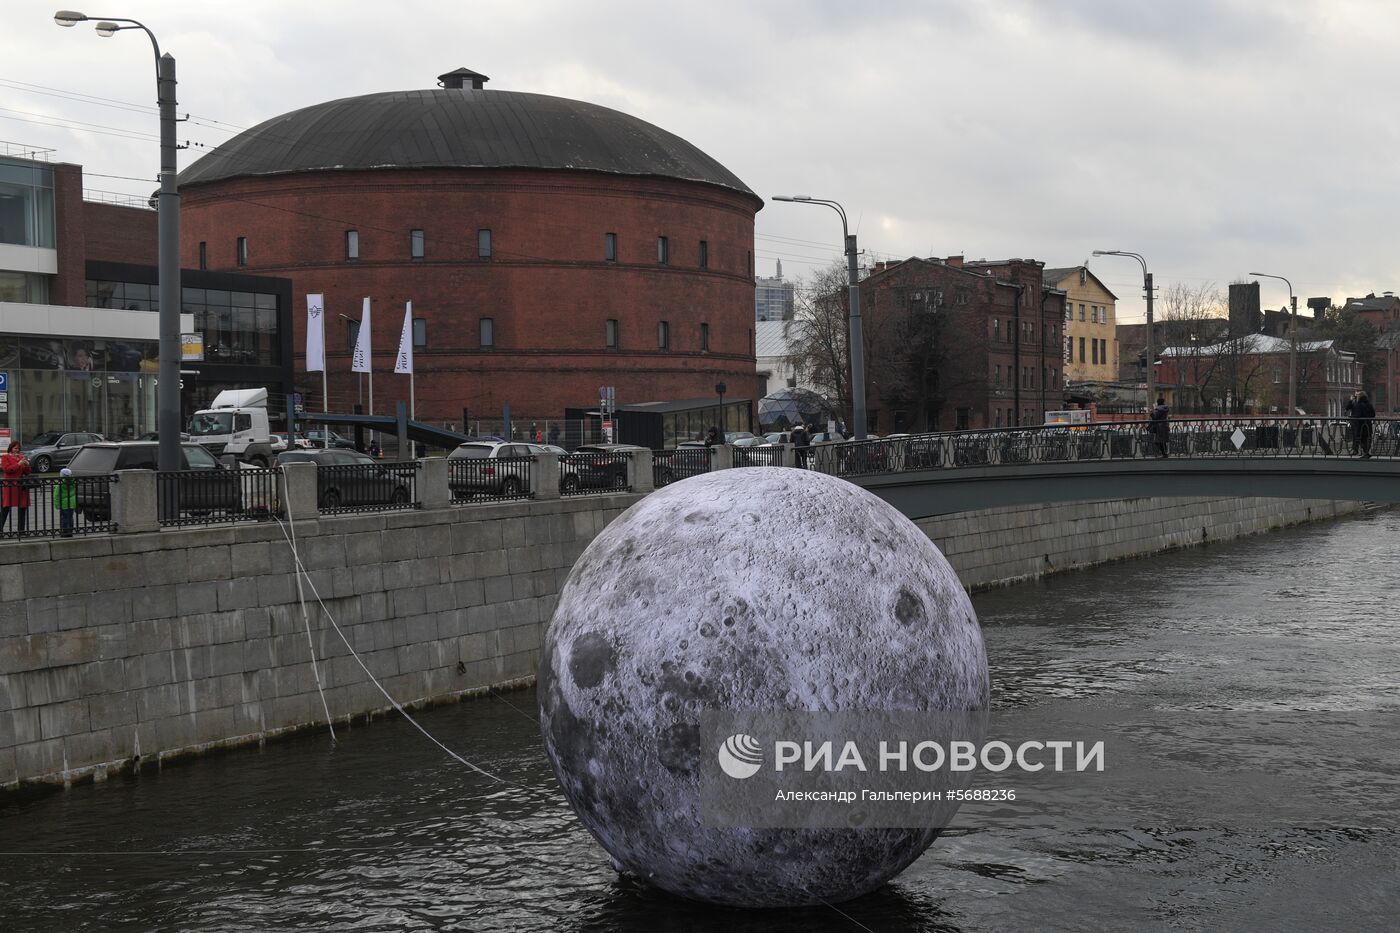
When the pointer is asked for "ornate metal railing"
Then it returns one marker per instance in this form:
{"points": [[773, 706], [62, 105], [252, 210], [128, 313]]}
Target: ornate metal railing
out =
{"points": [[767, 455], [208, 497], [367, 487], [486, 478], [667, 466], [1241, 437], [56, 507], [592, 472]]}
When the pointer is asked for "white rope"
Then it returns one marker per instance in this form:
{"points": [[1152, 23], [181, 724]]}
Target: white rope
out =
{"points": [[302, 572], [305, 618]]}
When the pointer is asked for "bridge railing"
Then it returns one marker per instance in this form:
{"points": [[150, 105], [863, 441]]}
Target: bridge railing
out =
{"points": [[1238, 437]]}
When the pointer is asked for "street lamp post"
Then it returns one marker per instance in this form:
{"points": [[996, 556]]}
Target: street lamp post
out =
{"points": [[1292, 342], [168, 249], [1147, 287], [857, 340], [723, 428]]}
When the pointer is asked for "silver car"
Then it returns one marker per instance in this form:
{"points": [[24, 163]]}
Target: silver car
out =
{"points": [[48, 452]]}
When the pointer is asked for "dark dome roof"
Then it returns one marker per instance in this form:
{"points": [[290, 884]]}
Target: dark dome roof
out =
{"points": [[459, 128]]}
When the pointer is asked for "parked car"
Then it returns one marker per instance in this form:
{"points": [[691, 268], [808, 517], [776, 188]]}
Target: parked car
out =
{"points": [[318, 438], [492, 468], [565, 468], [687, 458], [47, 452], [735, 436], [594, 472], [281, 441], [353, 478], [203, 484]]}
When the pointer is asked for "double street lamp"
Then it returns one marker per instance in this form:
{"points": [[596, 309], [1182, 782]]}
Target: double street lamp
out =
{"points": [[168, 387], [1147, 287], [857, 340], [1292, 342]]}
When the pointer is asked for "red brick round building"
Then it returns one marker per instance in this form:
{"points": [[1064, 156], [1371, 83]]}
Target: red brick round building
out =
{"points": [[550, 246]]}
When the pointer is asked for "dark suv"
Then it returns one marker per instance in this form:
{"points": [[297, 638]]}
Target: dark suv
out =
{"points": [[202, 485], [597, 466]]}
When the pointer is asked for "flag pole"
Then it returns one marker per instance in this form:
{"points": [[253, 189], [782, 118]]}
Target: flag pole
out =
{"points": [[369, 354]]}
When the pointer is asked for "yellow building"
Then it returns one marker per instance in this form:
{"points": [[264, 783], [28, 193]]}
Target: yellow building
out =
{"points": [[1091, 348]]}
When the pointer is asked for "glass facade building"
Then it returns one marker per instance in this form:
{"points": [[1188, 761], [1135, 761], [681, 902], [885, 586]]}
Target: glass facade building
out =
{"points": [[108, 385], [26, 203]]}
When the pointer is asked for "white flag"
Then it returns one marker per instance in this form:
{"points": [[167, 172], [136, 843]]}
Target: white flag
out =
{"points": [[403, 363], [359, 363], [315, 333]]}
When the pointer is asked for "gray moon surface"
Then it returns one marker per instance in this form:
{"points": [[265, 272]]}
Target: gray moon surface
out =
{"points": [[760, 588]]}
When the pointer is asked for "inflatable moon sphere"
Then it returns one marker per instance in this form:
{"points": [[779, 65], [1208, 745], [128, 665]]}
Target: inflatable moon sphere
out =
{"points": [[761, 588]]}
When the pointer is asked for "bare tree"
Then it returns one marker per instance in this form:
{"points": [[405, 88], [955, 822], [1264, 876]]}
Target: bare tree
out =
{"points": [[936, 345], [1193, 318], [820, 336], [817, 350]]}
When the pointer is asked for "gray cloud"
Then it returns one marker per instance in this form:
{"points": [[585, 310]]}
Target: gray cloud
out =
{"points": [[1213, 136]]}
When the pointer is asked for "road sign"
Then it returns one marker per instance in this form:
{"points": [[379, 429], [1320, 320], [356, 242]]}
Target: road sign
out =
{"points": [[4, 382]]}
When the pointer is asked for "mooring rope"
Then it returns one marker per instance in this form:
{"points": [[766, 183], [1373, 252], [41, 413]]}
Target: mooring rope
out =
{"points": [[306, 618], [302, 572]]}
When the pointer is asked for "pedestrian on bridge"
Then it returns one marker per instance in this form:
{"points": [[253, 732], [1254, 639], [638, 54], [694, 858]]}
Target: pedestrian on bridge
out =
{"points": [[802, 443], [1161, 431], [1363, 415]]}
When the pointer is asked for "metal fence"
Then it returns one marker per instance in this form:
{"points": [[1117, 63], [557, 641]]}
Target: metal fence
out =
{"points": [[367, 487], [766, 455], [581, 473], [668, 466], [1122, 440], [487, 478], [205, 497], [56, 507]]}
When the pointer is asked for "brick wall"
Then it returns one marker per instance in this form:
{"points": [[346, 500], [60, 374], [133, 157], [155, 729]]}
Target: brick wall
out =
{"points": [[547, 286], [120, 234]]}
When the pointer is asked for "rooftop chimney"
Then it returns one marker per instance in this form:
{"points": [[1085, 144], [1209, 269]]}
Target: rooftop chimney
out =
{"points": [[458, 79], [954, 261]]}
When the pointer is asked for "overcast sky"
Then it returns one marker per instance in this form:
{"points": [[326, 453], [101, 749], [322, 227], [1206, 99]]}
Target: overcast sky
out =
{"points": [[1215, 137]]}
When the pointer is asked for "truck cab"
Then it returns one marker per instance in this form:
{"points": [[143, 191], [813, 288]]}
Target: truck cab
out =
{"points": [[235, 424]]}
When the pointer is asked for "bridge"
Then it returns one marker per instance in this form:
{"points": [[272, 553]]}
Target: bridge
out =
{"points": [[936, 474]]}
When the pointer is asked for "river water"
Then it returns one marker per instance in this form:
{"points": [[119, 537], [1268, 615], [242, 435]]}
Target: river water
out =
{"points": [[384, 832]]}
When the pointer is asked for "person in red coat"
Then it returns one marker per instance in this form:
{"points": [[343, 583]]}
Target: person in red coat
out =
{"points": [[13, 494]]}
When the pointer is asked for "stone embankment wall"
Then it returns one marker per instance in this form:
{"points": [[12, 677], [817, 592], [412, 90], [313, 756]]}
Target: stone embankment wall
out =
{"points": [[134, 648], [1002, 546], [129, 649]]}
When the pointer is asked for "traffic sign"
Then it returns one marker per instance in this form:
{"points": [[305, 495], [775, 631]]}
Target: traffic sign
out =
{"points": [[4, 381]]}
